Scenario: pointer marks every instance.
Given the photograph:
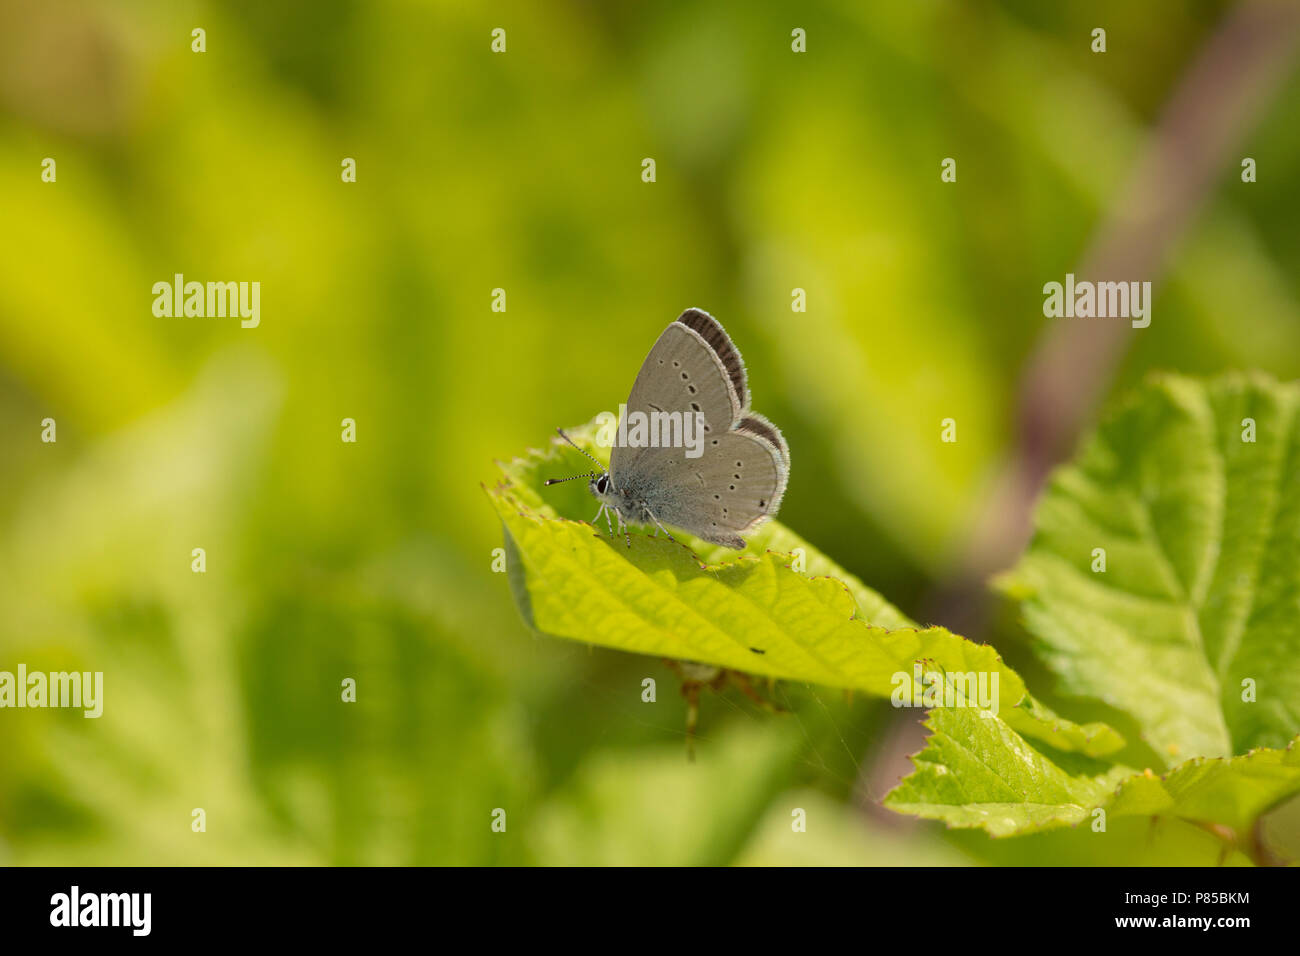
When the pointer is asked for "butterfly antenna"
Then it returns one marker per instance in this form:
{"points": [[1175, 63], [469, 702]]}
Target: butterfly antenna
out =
{"points": [[589, 474], [560, 432], [556, 481]]}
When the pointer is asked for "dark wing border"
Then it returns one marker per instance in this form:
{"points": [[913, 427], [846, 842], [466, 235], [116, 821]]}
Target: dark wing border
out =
{"points": [[715, 336]]}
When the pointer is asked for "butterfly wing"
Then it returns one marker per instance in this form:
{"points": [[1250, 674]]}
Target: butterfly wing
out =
{"points": [[692, 367], [732, 488], [740, 477]]}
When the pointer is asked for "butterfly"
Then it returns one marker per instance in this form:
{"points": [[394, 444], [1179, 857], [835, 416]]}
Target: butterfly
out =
{"points": [[738, 474]]}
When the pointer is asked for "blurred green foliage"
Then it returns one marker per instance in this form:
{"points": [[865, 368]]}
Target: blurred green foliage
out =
{"points": [[522, 171]]}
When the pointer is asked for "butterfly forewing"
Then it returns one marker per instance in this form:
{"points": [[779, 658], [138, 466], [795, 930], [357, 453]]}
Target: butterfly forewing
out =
{"points": [[684, 375], [716, 337]]}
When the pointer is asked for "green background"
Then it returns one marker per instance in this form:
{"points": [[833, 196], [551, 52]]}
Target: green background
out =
{"points": [[522, 171]]}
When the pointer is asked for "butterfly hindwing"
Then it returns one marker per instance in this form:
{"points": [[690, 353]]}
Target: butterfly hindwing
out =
{"points": [[736, 484]]}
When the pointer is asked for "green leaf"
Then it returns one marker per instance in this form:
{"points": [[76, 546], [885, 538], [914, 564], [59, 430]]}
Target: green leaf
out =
{"points": [[1200, 597], [754, 612], [1231, 791], [977, 772], [1198, 594]]}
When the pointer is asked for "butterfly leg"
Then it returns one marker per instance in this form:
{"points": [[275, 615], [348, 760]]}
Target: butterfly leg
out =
{"points": [[605, 510], [658, 526]]}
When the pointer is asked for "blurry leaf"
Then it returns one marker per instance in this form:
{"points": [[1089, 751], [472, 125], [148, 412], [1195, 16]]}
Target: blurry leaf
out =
{"points": [[655, 808], [837, 835], [1200, 598], [95, 575], [752, 613], [876, 388]]}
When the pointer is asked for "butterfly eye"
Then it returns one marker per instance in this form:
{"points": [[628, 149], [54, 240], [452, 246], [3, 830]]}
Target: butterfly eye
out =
{"points": [[602, 484]]}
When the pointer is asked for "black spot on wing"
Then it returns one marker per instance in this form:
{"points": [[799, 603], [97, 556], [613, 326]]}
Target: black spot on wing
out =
{"points": [[712, 332]]}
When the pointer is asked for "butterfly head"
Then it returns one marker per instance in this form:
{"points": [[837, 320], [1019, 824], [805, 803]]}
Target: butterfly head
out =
{"points": [[602, 489]]}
